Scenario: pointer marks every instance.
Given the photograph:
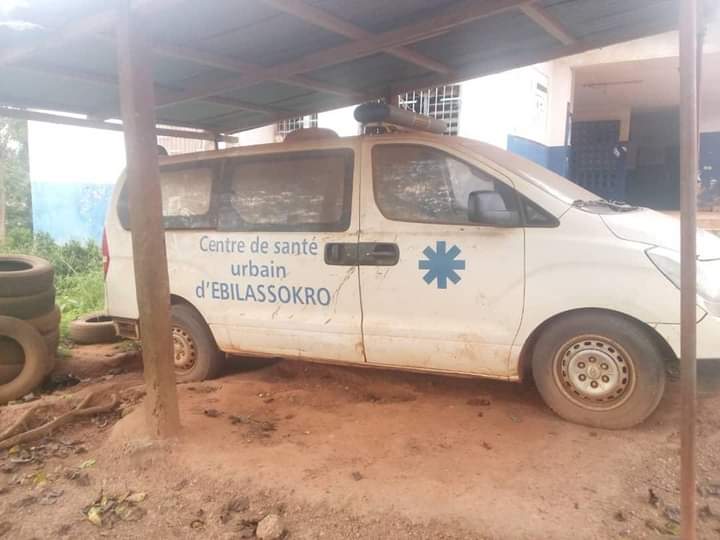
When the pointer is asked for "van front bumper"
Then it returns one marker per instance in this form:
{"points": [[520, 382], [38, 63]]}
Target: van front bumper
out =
{"points": [[708, 337]]}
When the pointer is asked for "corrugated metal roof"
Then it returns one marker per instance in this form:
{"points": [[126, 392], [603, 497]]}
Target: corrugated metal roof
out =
{"points": [[79, 75]]}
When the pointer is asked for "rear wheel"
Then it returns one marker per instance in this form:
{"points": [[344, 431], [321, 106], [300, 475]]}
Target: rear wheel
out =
{"points": [[195, 354], [599, 369]]}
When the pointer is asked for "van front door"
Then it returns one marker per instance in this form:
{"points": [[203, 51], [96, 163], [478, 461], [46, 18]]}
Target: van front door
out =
{"points": [[443, 293]]}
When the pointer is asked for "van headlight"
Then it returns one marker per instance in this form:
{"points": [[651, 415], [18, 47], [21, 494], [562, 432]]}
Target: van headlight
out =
{"points": [[708, 278]]}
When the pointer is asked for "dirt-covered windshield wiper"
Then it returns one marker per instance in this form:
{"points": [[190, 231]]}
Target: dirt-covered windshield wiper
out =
{"points": [[616, 206]]}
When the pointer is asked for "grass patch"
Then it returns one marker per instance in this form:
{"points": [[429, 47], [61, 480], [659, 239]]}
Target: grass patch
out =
{"points": [[79, 281]]}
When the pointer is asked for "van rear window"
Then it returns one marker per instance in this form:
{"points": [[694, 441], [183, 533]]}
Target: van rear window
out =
{"points": [[187, 195], [294, 191], [298, 191]]}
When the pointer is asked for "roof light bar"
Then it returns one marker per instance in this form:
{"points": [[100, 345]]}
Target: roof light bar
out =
{"points": [[380, 113]]}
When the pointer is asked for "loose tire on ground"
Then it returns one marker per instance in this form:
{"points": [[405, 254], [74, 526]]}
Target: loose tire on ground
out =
{"points": [[28, 307], [35, 353], [47, 322], [93, 328], [23, 275], [599, 369], [195, 352]]}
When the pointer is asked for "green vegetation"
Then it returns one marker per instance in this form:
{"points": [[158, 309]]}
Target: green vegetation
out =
{"points": [[15, 200], [79, 279]]}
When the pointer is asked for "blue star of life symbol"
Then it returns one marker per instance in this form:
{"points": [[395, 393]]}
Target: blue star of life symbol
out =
{"points": [[441, 264]]}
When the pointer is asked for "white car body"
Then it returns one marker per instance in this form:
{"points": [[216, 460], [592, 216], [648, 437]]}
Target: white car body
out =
{"points": [[512, 282]]}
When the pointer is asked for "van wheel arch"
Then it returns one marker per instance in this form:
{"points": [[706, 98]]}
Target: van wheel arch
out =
{"points": [[176, 299], [196, 354], [526, 354]]}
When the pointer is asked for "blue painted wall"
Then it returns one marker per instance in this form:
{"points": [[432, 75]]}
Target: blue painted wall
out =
{"points": [[559, 160], [554, 158], [70, 211]]}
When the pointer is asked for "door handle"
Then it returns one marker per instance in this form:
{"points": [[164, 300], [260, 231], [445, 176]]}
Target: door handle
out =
{"points": [[378, 254], [341, 253], [362, 253]]}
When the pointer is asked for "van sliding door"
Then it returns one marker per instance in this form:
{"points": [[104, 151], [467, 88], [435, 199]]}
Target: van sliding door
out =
{"points": [[269, 282]]}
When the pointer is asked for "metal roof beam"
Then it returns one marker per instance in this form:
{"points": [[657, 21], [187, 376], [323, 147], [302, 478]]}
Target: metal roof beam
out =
{"points": [[163, 91], [549, 23], [524, 58], [456, 15], [328, 21], [235, 65], [24, 114]]}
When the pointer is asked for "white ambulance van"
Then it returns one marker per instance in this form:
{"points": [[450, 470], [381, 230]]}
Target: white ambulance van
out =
{"points": [[412, 250]]}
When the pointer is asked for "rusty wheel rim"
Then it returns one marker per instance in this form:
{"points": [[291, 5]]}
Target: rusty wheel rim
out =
{"points": [[184, 350], [595, 372]]}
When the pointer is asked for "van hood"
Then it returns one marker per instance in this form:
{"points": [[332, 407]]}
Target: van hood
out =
{"points": [[657, 229]]}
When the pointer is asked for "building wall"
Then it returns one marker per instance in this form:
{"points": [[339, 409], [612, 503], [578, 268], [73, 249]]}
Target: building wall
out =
{"points": [[72, 173]]}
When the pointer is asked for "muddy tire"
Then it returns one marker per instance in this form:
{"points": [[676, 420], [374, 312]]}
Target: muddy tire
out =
{"points": [[599, 369], [22, 275], [10, 351], [28, 307], [93, 328], [35, 354], [195, 352], [12, 355], [8, 372], [52, 341], [47, 322]]}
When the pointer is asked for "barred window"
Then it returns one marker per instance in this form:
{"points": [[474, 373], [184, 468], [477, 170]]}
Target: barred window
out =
{"points": [[441, 102], [291, 124]]}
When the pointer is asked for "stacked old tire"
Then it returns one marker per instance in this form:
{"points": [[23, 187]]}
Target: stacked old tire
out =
{"points": [[29, 324]]}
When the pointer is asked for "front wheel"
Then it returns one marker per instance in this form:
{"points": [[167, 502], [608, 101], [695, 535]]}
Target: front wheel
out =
{"points": [[195, 353], [599, 369]]}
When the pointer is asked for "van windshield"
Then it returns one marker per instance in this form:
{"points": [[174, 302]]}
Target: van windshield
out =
{"points": [[558, 186]]}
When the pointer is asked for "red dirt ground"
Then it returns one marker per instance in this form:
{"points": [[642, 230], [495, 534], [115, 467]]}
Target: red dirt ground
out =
{"points": [[354, 453]]}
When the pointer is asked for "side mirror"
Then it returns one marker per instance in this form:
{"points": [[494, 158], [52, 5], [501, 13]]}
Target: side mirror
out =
{"points": [[488, 208]]}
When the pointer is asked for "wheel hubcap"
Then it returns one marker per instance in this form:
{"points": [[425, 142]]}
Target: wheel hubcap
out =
{"points": [[184, 352], [595, 372]]}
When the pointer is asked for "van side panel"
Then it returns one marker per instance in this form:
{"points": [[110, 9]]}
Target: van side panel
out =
{"points": [[120, 298], [582, 265], [261, 291]]}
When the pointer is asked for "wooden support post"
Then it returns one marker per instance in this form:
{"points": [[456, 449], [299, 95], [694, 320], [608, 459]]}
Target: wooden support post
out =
{"points": [[689, 61], [137, 100]]}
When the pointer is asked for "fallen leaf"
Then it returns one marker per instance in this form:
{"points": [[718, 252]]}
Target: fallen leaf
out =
{"points": [[136, 497], [40, 478], [94, 516], [88, 463]]}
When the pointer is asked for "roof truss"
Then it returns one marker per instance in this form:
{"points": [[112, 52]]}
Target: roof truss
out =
{"points": [[361, 43]]}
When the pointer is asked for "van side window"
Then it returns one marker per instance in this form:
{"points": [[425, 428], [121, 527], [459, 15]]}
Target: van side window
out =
{"points": [[536, 216], [295, 191], [422, 184], [187, 190]]}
